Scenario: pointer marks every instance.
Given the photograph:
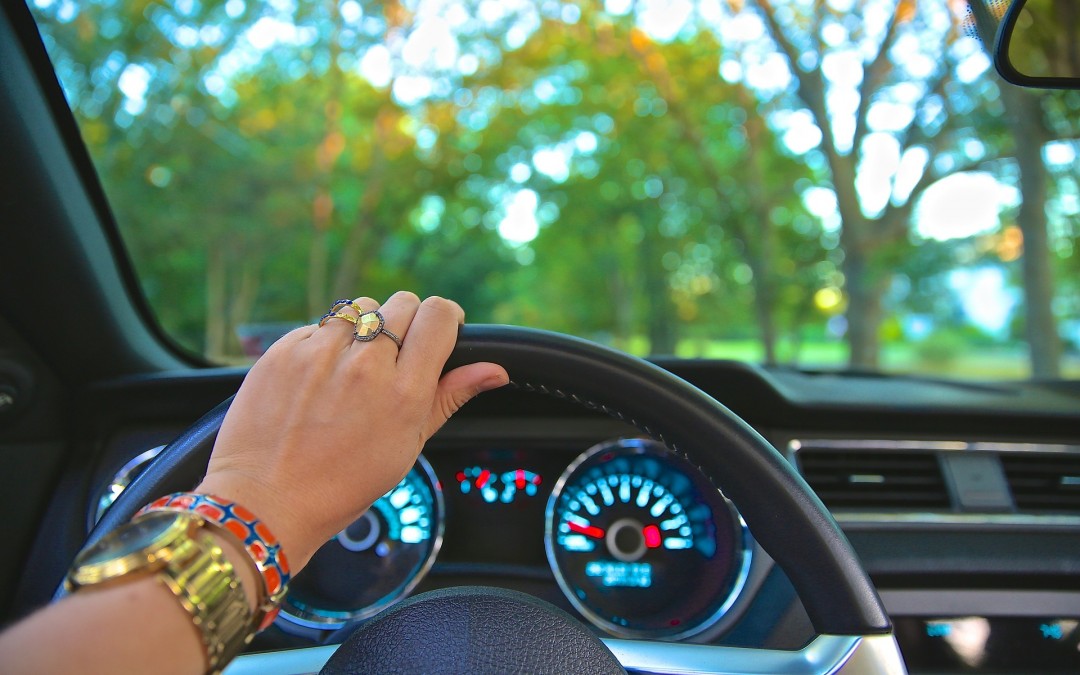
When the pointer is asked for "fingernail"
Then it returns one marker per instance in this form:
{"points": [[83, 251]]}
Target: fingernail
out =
{"points": [[494, 382]]}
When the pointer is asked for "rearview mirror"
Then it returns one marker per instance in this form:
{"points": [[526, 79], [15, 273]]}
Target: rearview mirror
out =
{"points": [[1038, 44]]}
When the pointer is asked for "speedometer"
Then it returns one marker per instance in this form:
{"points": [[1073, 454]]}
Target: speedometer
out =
{"points": [[642, 544], [374, 561]]}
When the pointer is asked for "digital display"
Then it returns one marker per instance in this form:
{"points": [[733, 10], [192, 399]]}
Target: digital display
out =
{"points": [[989, 644], [619, 574], [495, 499], [498, 487]]}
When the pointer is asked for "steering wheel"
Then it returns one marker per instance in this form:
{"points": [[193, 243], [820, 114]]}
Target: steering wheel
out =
{"points": [[785, 516]]}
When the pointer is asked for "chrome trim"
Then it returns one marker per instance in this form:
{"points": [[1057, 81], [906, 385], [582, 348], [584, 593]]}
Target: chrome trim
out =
{"points": [[121, 480], [875, 654], [948, 602], [795, 445], [824, 655], [742, 534], [314, 618], [1003, 520], [286, 662]]}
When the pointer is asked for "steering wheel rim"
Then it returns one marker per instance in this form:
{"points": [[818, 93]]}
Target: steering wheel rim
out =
{"points": [[786, 517]]}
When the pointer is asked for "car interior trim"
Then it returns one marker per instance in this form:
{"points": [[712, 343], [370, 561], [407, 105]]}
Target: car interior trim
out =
{"points": [[824, 654], [108, 494], [796, 445], [1005, 520], [981, 602]]}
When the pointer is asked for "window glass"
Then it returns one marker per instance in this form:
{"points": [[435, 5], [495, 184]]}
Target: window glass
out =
{"points": [[833, 184]]}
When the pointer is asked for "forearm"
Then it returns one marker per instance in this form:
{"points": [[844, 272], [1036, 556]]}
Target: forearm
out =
{"points": [[130, 627], [306, 449]]}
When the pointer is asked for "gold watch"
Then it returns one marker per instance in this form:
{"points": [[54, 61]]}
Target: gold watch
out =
{"points": [[189, 561]]}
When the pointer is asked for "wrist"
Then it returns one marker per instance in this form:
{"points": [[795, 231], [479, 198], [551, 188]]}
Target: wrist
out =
{"points": [[266, 503], [258, 550]]}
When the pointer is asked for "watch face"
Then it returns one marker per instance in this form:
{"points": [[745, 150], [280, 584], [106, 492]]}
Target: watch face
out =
{"points": [[129, 539]]}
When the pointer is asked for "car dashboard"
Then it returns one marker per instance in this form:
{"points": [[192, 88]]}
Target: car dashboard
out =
{"points": [[965, 512]]}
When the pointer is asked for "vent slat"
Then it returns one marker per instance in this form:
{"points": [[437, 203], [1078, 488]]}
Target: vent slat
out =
{"points": [[1043, 482], [872, 479]]}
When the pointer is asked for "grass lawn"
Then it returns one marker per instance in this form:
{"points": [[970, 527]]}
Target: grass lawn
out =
{"points": [[973, 363]]}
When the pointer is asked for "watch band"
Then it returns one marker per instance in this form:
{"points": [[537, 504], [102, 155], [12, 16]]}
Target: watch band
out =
{"points": [[207, 586], [261, 545], [178, 550]]}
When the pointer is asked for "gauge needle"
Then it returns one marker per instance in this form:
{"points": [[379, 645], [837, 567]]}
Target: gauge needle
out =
{"points": [[652, 535], [587, 530], [482, 480]]}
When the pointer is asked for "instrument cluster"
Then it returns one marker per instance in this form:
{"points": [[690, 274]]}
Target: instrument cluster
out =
{"points": [[638, 541]]}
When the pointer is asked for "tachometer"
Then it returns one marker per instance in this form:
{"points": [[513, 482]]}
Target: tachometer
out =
{"points": [[642, 544], [374, 561]]}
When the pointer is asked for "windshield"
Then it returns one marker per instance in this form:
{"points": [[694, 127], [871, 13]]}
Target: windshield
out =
{"points": [[840, 184]]}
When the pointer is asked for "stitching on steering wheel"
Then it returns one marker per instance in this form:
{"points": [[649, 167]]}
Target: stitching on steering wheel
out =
{"points": [[555, 392]]}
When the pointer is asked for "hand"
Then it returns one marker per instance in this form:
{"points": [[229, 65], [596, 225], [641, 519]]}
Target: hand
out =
{"points": [[324, 425]]}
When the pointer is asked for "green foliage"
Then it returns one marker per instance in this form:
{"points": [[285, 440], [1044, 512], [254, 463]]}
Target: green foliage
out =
{"points": [[253, 185]]}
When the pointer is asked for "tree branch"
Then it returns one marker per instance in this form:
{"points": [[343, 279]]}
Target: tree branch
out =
{"points": [[915, 134], [874, 75], [894, 221], [811, 85]]}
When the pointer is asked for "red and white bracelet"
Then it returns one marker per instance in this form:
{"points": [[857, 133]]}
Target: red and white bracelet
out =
{"points": [[261, 545]]}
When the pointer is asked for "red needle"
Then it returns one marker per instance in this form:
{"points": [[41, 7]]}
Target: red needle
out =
{"points": [[652, 536], [482, 480], [587, 530]]}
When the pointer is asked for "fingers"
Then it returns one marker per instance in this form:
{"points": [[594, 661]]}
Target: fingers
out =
{"points": [[335, 330], [458, 387], [431, 327], [432, 337], [398, 312]]}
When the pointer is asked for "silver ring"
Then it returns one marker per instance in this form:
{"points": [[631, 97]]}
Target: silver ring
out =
{"points": [[369, 325], [393, 336]]}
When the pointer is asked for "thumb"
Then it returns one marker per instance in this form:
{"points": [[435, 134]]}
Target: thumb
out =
{"points": [[458, 387]]}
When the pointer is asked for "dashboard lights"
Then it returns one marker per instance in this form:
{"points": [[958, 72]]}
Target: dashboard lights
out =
{"points": [[498, 487]]}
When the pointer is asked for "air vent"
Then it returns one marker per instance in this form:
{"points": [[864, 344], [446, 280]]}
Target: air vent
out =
{"points": [[1044, 481], [873, 479]]}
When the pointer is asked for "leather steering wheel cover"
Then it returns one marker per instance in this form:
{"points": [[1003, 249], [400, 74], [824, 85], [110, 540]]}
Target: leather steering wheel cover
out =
{"points": [[473, 630], [783, 513]]}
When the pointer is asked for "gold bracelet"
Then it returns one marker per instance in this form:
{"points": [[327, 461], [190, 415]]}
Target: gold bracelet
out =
{"points": [[188, 560], [208, 588]]}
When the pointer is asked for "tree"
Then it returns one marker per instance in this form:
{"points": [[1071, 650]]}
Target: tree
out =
{"points": [[680, 159], [1026, 113], [870, 232]]}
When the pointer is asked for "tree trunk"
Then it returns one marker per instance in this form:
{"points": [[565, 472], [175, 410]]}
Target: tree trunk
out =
{"points": [[622, 307], [240, 308], [764, 303], [1040, 328], [317, 300], [348, 280], [661, 319], [1028, 126], [863, 311], [862, 289], [216, 316]]}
